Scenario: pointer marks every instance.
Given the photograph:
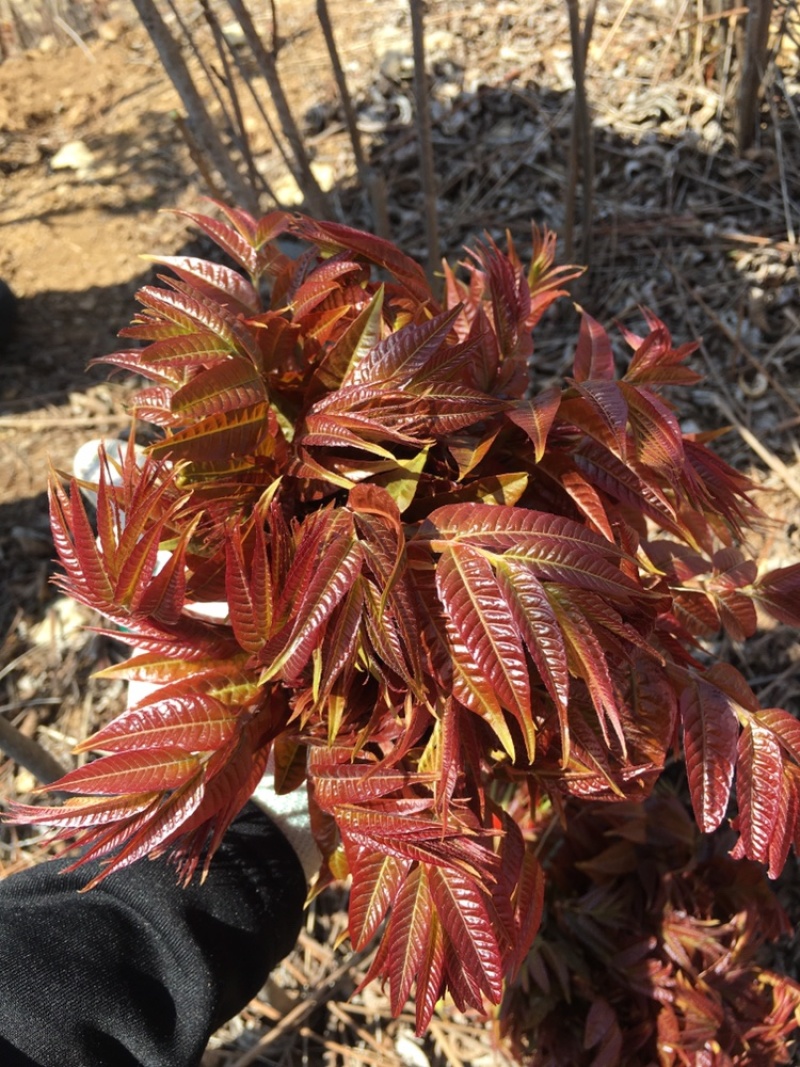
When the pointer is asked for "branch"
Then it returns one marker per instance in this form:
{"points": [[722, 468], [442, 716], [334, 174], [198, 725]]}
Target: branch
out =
{"points": [[29, 754], [417, 9], [199, 121], [315, 197]]}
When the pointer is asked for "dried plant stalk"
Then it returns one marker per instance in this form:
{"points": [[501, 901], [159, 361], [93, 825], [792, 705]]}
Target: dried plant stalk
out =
{"points": [[199, 121], [753, 67], [417, 9], [326, 26], [29, 754], [316, 200], [581, 154]]}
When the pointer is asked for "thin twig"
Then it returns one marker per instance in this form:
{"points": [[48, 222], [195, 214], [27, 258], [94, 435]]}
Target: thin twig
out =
{"points": [[775, 464], [315, 197], [752, 73], [417, 10], [74, 36], [29, 754], [299, 1013], [581, 135], [241, 138], [22, 422], [200, 122], [323, 15]]}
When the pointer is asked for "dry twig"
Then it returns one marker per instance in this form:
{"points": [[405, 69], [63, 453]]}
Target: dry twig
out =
{"points": [[427, 172]]}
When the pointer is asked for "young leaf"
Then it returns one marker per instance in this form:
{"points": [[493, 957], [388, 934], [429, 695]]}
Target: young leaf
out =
{"points": [[710, 739], [471, 597]]}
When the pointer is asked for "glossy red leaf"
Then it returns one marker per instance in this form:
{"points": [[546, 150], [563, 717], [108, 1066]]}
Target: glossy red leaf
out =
{"points": [[214, 280], [472, 598], [407, 934], [462, 910], [377, 881], [710, 739], [131, 772], [594, 357], [536, 417], [759, 771]]}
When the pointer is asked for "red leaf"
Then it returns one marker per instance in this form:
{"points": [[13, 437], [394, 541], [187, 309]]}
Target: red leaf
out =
{"points": [[471, 597], [214, 280], [227, 386], [607, 416], [528, 910], [430, 976], [408, 933], [131, 772], [759, 770], [588, 661], [594, 357], [334, 237], [710, 736], [536, 417], [404, 354], [778, 592], [225, 437], [539, 628], [194, 721], [249, 598], [377, 879], [465, 918], [659, 441]]}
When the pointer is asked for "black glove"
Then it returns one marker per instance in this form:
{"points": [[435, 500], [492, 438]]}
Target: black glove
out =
{"points": [[139, 972]]}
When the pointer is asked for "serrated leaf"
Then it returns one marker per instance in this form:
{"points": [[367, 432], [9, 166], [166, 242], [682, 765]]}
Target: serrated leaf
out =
{"points": [[408, 934], [191, 310], [759, 770], [471, 597], [336, 571], [215, 280], [540, 630], [377, 880], [594, 357], [227, 437], [536, 417], [333, 237], [659, 441], [430, 976], [465, 919], [778, 592], [131, 772], [227, 386], [601, 411], [248, 592], [404, 354], [588, 661], [194, 721], [244, 251], [352, 346], [710, 738]]}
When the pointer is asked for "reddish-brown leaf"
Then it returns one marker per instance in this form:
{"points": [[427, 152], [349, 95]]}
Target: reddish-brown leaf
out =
{"points": [[710, 738], [759, 771], [462, 909], [594, 357], [472, 598]]}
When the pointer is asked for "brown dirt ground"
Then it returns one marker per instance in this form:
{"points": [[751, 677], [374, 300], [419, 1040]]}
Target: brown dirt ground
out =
{"points": [[680, 223]]}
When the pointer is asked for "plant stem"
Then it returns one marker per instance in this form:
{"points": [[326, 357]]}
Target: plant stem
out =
{"points": [[199, 121], [417, 9]]}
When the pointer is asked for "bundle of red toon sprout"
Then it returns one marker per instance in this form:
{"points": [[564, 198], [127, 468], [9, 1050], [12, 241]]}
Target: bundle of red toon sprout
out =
{"points": [[462, 606]]}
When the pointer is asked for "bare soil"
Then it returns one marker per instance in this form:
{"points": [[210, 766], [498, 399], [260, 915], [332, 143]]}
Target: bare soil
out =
{"points": [[681, 223]]}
